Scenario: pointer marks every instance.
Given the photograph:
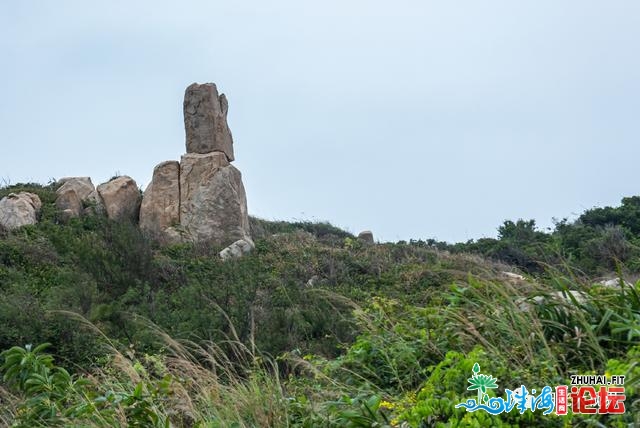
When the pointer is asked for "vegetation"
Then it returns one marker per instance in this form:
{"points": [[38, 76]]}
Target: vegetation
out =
{"points": [[100, 327], [594, 244]]}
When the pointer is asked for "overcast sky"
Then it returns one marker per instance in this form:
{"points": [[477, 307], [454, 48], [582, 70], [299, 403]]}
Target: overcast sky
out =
{"points": [[414, 119]]}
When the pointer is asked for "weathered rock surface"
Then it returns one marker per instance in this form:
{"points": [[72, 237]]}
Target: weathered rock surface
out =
{"points": [[19, 209], [160, 207], [69, 204], [74, 193], [82, 186], [366, 236], [194, 166], [205, 120], [213, 203], [237, 249], [121, 198]]}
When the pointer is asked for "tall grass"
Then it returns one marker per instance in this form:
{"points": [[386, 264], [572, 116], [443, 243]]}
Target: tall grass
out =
{"points": [[536, 331]]}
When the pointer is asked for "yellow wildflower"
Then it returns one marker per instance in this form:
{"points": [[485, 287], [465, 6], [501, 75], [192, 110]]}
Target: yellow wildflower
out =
{"points": [[386, 405]]}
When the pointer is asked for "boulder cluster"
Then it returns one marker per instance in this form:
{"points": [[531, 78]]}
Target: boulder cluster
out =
{"points": [[199, 199]]}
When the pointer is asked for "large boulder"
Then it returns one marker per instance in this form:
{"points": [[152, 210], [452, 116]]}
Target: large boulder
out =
{"points": [[205, 120], [213, 203], [83, 186], [69, 204], [160, 207], [74, 193], [121, 198], [19, 209]]}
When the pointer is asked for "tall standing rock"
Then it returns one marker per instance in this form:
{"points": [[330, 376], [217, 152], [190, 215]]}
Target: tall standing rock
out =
{"points": [[202, 199], [160, 207], [205, 120], [121, 198]]}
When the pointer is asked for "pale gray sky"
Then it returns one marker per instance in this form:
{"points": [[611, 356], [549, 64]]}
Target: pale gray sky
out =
{"points": [[414, 119]]}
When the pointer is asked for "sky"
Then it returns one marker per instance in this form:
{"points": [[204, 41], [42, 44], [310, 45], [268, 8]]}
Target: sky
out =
{"points": [[412, 119]]}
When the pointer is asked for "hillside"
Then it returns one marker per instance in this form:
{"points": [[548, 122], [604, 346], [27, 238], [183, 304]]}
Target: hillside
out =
{"points": [[313, 327]]}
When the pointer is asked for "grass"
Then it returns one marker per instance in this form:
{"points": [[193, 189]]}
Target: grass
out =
{"points": [[313, 328], [400, 347]]}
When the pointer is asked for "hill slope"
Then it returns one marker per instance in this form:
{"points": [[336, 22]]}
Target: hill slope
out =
{"points": [[313, 328]]}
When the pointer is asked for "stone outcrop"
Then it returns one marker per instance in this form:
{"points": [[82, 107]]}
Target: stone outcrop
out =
{"points": [[202, 198], [120, 198], [74, 194], [160, 209], [19, 209], [205, 120], [366, 236], [199, 199]]}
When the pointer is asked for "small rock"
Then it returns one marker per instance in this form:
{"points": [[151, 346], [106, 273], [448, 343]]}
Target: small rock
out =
{"points": [[366, 236], [578, 296], [237, 249], [614, 283], [19, 209], [512, 275], [313, 281], [567, 297]]}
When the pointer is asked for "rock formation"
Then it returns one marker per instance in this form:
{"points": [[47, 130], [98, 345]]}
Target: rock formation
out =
{"points": [[205, 120], [74, 194], [366, 236], [121, 198], [69, 204], [19, 209], [160, 209], [81, 185], [199, 199], [202, 198], [213, 204]]}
